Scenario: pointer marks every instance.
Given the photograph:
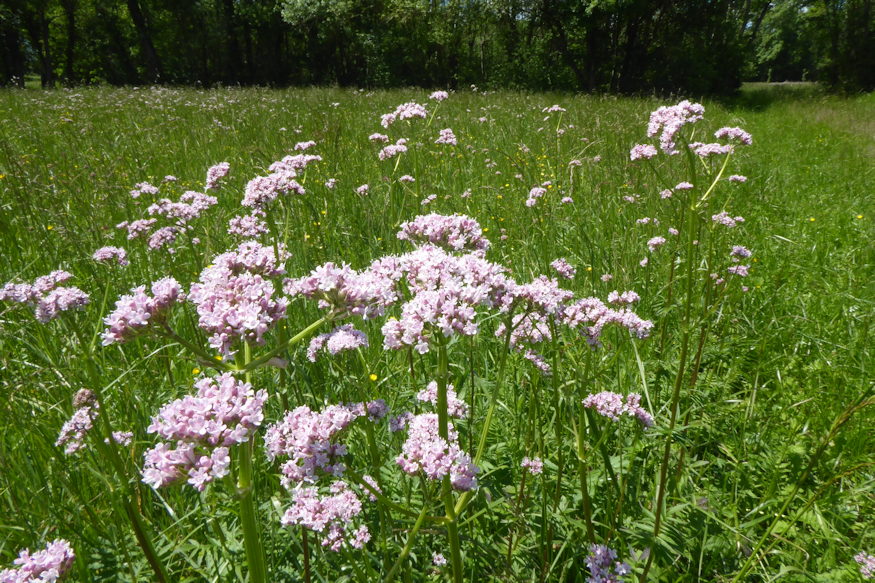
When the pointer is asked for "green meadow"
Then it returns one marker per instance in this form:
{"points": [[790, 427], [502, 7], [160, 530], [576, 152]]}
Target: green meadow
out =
{"points": [[759, 465]]}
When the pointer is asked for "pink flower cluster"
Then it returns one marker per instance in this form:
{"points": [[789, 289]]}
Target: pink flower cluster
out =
{"points": [[458, 233], [590, 316], [189, 207], [736, 134], [455, 406], [625, 298], [402, 112], [446, 290], [46, 566], [533, 465], [534, 194], [447, 137], [74, 430], [655, 243], [427, 452], [46, 295], [668, 120], [215, 174], [263, 190], [713, 149], [235, 300], [642, 152], [725, 219], [341, 338], [106, 254], [392, 150], [306, 438], [248, 225], [563, 268], [612, 406], [740, 252], [136, 311], [332, 515], [141, 188], [224, 412], [867, 564], [439, 95], [342, 290]]}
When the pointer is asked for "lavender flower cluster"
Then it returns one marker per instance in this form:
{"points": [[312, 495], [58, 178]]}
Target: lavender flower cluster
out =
{"points": [[447, 137], [107, 254], [344, 337], [215, 174], [668, 120], [332, 515], [457, 232], [392, 150], [234, 298], [604, 567], [263, 190], [46, 566], [137, 311], [224, 412], [402, 112], [455, 406], [867, 564], [427, 452], [307, 438], [190, 206], [612, 406], [46, 295]]}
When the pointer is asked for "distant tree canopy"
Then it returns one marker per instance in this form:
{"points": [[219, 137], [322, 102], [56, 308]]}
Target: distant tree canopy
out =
{"points": [[627, 46]]}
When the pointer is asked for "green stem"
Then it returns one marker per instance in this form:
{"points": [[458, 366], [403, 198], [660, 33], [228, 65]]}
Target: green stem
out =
{"points": [[446, 488], [246, 493], [106, 447], [493, 399], [303, 334], [686, 326], [408, 545]]}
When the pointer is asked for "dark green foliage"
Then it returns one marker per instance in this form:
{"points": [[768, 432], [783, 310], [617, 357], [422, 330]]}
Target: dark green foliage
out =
{"points": [[627, 46]]}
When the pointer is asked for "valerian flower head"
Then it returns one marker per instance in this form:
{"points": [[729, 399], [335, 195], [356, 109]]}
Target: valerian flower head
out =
{"points": [[224, 412], [46, 566]]}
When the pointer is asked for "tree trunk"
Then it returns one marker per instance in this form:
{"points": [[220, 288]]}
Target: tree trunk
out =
{"points": [[69, 7], [153, 65]]}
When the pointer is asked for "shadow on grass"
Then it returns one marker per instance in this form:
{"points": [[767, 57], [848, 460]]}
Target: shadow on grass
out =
{"points": [[761, 96]]}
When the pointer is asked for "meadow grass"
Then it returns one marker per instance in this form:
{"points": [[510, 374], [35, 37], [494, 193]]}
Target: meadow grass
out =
{"points": [[764, 471]]}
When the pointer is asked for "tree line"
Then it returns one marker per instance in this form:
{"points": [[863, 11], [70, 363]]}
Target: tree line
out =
{"points": [[624, 46]]}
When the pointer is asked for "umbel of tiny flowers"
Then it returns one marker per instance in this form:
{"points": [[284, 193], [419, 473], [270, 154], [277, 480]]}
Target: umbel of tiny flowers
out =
{"points": [[234, 297], [455, 233], [46, 295], [342, 338], [46, 566], [137, 311], [427, 452], [612, 406], [107, 254], [309, 440], [867, 564], [604, 567], [223, 413]]}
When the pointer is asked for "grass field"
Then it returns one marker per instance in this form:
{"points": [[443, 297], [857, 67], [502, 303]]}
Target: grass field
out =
{"points": [[759, 465]]}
